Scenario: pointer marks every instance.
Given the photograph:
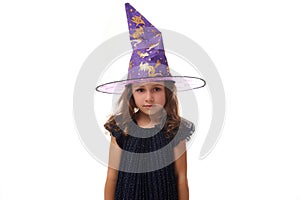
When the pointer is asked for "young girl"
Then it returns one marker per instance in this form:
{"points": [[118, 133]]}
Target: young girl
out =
{"points": [[147, 159]]}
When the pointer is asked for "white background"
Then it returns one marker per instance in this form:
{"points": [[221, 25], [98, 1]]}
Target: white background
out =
{"points": [[255, 46]]}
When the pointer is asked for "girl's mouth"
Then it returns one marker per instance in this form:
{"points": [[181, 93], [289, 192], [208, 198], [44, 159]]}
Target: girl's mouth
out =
{"points": [[147, 106]]}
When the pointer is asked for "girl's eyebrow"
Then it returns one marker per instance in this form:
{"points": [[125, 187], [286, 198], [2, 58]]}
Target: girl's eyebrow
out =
{"points": [[143, 85], [138, 86], [154, 85]]}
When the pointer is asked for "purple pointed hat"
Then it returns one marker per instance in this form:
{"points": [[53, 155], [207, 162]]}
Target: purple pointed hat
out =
{"points": [[148, 61]]}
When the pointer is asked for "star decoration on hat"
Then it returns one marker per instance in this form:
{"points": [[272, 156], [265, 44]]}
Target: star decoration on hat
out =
{"points": [[138, 20]]}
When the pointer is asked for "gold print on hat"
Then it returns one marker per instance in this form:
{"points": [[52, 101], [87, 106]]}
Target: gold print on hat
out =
{"points": [[150, 69], [145, 67], [136, 42], [152, 46], [138, 20], [142, 55], [138, 32], [157, 63], [155, 32], [130, 64], [157, 35]]}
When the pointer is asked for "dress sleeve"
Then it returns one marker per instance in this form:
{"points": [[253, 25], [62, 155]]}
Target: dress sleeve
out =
{"points": [[185, 131], [116, 132]]}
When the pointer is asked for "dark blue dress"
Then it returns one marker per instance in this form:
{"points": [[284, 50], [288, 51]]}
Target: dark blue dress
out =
{"points": [[146, 169]]}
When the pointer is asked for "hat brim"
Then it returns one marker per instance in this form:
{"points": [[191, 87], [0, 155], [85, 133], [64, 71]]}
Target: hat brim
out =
{"points": [[183, 83]]}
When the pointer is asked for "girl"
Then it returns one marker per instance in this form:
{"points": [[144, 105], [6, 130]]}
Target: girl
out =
{"points": [[147, 159]]}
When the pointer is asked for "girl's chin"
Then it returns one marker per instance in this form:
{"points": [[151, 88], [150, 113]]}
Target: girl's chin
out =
{"points": [[151, 112]]}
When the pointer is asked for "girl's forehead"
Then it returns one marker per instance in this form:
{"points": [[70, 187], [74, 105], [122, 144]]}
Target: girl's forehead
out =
{"points": [[148, 84]]}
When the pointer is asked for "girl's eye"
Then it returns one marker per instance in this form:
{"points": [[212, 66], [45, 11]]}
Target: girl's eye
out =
{"points": [[156, 89], [139, 90]]}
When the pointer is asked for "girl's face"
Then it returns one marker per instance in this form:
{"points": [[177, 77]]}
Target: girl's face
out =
{"points": [[149, 97]]}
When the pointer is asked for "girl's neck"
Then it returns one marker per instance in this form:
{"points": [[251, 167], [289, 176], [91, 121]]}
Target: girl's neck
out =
{"points": [[147, 121]]}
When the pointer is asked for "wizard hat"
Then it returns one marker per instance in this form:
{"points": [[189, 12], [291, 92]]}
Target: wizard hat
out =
{"points": [[148, 62]]}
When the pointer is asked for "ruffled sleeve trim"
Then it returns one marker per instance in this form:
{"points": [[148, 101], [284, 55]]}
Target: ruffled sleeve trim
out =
{"points": [[184, 132], [117, 132]]}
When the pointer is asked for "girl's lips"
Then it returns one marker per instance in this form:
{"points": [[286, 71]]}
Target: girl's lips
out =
{"points": [[147, 106]]}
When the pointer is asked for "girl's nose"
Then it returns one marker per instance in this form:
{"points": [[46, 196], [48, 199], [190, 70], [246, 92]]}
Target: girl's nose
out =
{"points": [[149, 97]]}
